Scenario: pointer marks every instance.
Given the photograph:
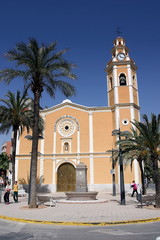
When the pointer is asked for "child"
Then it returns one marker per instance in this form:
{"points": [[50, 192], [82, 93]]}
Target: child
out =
{"points": [[15, 192]]}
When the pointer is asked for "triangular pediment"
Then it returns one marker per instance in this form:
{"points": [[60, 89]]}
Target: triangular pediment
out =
{"points": [[68, 103]]}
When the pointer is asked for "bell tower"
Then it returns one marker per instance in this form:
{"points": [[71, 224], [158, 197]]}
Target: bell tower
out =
{"points": [[122, 86]]}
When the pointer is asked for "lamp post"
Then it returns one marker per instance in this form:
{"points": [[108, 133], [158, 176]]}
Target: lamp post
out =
{"points": [[30, 138], [118, 133], [113, 172]]}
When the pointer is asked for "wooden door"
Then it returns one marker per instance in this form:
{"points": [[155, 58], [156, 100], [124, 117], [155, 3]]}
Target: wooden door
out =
{"points": [[66, 178]]}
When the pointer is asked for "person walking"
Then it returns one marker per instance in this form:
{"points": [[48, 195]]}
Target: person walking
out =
{"points": [[1, 182], [134, 186], [7, 192], [15, 192]]}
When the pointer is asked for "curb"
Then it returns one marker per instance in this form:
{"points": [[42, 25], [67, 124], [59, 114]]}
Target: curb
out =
{"points": [[81, 223]]}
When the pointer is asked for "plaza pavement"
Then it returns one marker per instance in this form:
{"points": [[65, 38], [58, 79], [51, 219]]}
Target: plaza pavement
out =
{"points": [[105, 210]]}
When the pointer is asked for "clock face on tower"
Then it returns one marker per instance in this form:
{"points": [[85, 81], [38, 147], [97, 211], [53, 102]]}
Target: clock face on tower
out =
{"points": [[121, 56]]}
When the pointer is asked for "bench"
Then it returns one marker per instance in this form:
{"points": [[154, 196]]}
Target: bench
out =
{"points": [[21, 193], [146, 199], [43, 199]]}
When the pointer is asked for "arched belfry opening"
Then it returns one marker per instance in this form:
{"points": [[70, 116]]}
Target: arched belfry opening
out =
{"points": [[66, 178], [122, 80], [111, 82]]}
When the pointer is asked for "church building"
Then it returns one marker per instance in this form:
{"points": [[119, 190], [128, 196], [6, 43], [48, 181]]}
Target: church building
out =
{"points": [[74, 133]]}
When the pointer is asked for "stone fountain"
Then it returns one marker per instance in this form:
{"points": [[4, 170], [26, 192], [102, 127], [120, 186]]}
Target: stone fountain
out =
{"points": [[81, 193]]}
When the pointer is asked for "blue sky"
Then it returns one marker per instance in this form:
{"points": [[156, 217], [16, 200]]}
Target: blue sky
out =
{"points": [[87, 28]]}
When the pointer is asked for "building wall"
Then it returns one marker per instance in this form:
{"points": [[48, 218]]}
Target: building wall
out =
{"points": [[6, 148], [98, 162], [102, 128]]}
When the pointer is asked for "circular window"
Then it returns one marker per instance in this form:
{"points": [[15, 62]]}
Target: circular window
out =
{"points": [[66, 127], [125, 121]]}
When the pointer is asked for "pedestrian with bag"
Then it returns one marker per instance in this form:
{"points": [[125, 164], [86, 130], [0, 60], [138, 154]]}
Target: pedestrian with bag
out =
{"points": [[7, 193], [1, 182]]}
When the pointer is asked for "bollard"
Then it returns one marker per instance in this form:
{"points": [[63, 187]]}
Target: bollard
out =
{"points": [[141, 197]]}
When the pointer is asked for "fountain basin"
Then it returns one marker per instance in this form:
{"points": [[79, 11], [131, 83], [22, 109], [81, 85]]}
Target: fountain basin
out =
{"points": [[81, 196]]}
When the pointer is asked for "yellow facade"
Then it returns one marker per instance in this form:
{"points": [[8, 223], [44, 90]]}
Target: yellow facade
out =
{"points": [[74, 133]]}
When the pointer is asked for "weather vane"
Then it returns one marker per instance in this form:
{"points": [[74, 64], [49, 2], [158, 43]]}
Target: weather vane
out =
{"points": [[118, 31]]}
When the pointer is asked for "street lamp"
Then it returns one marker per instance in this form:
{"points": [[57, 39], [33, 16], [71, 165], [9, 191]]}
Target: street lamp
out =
{"points": [[118, 133], [113, 171], [30, 138]]}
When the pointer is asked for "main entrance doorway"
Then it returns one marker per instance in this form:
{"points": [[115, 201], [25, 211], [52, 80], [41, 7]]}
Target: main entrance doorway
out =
{"points": [[66, 178]]}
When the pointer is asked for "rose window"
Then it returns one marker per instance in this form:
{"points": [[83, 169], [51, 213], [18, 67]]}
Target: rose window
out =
{"points": [[66, 127]]}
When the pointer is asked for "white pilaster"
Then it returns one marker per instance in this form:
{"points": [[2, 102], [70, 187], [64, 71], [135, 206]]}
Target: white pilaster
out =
{"points": [[54, 171], [41, 171], [41, 142], [78, 141], [91, 173], [91, 132], [17, 145], [17, 160], [117, 118], [130, 83], [115, 80], [41, 157], [108, 90], [137, 89], [136, 175], [132, 113], [91, 150], [16, 169], [54, 158], [54, 142]]}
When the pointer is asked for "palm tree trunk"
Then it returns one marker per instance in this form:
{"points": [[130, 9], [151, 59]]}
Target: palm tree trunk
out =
{"points": [[142, 178], [156, 180], [13, 156], [34, 153]]}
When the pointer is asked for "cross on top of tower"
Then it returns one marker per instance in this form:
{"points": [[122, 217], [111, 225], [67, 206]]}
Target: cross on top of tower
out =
{"points": [[118, 31]]}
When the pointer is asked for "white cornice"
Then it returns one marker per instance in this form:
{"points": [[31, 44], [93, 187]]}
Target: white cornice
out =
{"points": [[118, 64], [125, 105]]}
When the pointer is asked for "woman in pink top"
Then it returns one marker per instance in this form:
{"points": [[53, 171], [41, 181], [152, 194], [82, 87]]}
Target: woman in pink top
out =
{"points": [[134, 186]]}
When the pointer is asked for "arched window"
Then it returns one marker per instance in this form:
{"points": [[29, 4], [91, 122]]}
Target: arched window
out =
{"points": [[66, 147], [111, 82], [133, 77], [122, 79]]}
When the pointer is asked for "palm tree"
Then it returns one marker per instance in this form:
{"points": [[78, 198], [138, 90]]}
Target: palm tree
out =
{"points": [[4, 165], [133, 148], [145, 145], [15, 115], [42, 69], [150, 133]]}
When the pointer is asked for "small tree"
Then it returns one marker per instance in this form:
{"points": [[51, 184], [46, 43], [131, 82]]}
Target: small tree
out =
{"points": [[15, 114]]}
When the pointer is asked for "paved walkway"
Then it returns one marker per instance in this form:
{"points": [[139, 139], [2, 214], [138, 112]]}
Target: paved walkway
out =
{"points": [[101, 212]]}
